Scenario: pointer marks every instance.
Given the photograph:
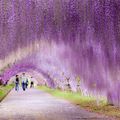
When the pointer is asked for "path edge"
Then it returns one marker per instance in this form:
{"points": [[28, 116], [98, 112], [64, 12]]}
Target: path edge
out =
{"points": [[6, 95]]}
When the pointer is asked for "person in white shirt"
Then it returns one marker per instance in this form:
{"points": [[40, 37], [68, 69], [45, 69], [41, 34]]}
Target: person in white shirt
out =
{"points": [[24, 79]]}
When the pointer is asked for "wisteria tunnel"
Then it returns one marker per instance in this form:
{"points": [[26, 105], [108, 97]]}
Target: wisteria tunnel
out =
{"points": [[64, 41]]}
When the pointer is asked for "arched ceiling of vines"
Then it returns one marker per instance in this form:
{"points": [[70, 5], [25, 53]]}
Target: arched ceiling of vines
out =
{"points": [[62, 39]]}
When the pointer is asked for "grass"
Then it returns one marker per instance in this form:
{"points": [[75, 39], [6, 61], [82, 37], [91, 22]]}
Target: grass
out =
{"points": [[4, 90], [89, 103]]}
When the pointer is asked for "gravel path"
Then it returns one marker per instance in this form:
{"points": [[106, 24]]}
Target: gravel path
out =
{"points": [[37, 105]]}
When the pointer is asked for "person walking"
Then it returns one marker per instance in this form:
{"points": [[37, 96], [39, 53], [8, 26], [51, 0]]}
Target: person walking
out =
{"points": [[32, 83], [24, 81], [17, 83], [27, 83]]}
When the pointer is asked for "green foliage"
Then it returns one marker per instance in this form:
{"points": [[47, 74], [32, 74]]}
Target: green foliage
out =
{"points": [[86, 102], [4, 90]]}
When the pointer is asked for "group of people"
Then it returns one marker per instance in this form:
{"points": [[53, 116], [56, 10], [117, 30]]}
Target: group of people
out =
{"points": [[24, 82]]}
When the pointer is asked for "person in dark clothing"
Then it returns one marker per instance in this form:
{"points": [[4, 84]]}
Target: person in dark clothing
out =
{"points": [[24, 78], [32, 83], [17, 83], [26, 83]]}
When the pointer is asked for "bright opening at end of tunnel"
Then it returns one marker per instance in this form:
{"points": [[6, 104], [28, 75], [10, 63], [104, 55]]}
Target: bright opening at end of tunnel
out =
{"points": [[63, 47]]}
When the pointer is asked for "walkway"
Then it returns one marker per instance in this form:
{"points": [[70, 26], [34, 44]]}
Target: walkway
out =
{"points": [[37, 105]]}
